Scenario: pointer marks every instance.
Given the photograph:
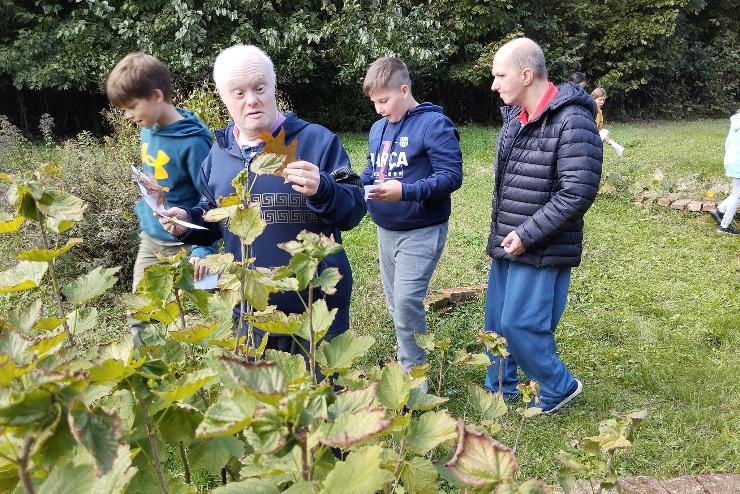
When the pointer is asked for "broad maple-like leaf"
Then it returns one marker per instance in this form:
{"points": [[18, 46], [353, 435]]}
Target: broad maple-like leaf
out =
{"points": [[276, 145]]}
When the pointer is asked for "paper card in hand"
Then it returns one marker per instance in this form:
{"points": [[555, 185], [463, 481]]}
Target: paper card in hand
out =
{"points": [[153, 195]]}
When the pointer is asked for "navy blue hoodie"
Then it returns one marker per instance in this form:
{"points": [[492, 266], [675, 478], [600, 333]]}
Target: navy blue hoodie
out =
{"points": [[334, 207], [422, 151]]}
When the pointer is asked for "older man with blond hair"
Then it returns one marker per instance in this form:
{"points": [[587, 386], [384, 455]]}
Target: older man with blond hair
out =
{"points": [[306, 197], [548, 166]]}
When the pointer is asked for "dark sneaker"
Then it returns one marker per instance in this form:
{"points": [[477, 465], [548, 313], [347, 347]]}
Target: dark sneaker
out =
{"points": [[571, 395], [730, 229], [717, 215]]}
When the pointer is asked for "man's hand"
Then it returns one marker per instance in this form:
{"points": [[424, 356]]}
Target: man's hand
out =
{"points": [[168, 224], [304, 176], [513, 245], [199, 269], [390, 191]]}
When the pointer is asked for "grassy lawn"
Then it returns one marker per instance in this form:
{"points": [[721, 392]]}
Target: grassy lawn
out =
{"points": [[652, 320], [654, 314]]}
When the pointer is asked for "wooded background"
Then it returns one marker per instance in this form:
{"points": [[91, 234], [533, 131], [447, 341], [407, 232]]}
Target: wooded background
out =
{"points": [[656, 58]]}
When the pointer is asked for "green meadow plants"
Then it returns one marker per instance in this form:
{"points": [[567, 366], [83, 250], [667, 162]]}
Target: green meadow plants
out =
{"points": [[200, 395]]}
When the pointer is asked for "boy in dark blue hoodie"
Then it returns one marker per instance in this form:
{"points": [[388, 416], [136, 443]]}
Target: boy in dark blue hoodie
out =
{"points": [[174, 143], [414, 164]]}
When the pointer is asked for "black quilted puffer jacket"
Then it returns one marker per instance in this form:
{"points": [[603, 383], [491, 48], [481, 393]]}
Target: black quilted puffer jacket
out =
{"points": [[547, 176]]}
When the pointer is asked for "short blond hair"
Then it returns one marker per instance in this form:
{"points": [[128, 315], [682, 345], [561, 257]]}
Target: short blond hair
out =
{"points": [[599, 92], [385, 73], [137, 75]]}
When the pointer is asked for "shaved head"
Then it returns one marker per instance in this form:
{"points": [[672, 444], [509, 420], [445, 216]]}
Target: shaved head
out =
{"points": [[523, 53]]}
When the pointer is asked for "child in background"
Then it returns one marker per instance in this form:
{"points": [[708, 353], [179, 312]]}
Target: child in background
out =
{"points": [[599, 96], [725, 212], [174, 143]]}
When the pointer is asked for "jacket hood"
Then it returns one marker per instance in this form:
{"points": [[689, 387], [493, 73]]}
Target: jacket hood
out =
{"points": [[226, 140], [189, 125], [568, 94], [426, 107]]}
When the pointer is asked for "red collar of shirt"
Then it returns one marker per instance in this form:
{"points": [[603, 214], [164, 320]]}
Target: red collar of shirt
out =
{"points": [[550, 94]]}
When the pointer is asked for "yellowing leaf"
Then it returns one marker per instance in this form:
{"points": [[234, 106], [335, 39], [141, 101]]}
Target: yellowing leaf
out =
{"points": [[13, 225], [46, 255], [23, 276]]}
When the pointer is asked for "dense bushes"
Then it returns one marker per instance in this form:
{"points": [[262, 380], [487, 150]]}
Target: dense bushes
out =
{"points": [[665, 58]]}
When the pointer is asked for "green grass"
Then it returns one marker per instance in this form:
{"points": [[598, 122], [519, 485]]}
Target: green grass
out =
{"points": [[653, 316], [652, 320]]}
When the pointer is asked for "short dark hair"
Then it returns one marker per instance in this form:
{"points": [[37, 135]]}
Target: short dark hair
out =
{"points": [[137, 75], [577, 77], [386, 73]]}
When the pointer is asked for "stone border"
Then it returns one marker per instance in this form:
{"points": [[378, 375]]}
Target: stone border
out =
{"points": [[691, 484], [674, 201]]}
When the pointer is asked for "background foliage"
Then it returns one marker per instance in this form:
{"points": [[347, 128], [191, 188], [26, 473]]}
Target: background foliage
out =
{"points": [[674, 58]]}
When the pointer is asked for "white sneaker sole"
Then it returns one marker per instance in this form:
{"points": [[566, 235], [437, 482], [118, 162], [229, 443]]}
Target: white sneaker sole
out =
{"points": [[567, 398]]}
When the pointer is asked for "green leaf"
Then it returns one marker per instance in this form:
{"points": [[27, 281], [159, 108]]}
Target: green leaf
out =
{"points": [[480, 461], [69, 479], [178, 423], [219, 263], [353, 428], [277, 322], [219, 214], [421, 400], [185, 387], [194, 334], [429, 431], [46, 255], [99, 432], [266, 163], [12, 226], [157, 283], [90, 285], [62, 209], [23, 276], [327, 280], [612, 436], [340, 353], [29, 408], [419, 476], [425, 341], [490, 405], [321, 319], [352, 401], [292, 366], [252, 486], [394, 387], [119, 476], [47, 344], [24, 317], [304, 267], [110, 370], [9, 370], [247, 223], [82, 320], [212, 454], [263, 380], [361, 470], [232, 411]]}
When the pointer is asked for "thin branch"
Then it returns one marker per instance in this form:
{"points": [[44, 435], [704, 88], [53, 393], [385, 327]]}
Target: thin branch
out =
{"points": [[54, 283], [152, 442], [185, 464], [23, 473]]}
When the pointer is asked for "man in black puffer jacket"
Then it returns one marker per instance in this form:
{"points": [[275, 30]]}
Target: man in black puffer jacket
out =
{"points": [[548, 167]]}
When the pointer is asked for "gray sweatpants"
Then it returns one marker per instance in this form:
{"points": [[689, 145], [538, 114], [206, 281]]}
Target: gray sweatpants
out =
{"points": [[407, 261]]}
